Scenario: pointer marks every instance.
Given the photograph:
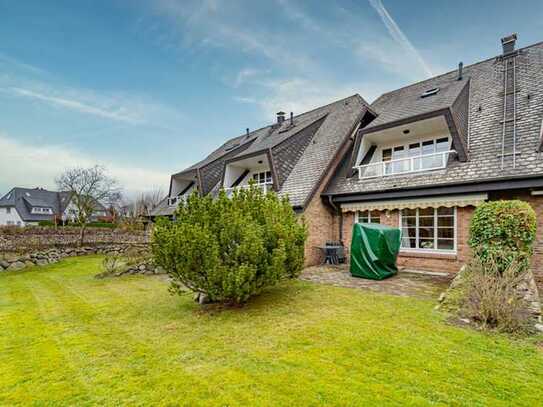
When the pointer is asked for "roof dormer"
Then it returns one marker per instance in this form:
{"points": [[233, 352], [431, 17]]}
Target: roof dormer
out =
{"points": [[417, 129]]}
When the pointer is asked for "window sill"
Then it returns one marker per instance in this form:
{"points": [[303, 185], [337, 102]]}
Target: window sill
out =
{"points": [[428, 254]]}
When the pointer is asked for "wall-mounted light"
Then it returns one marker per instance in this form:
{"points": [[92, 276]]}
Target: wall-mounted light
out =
{"points": [[406, 131], [260, 161]]}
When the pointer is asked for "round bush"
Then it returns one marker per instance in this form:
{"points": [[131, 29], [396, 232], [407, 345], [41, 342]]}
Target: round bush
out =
{"points": [[502, 232], [230, 248]]}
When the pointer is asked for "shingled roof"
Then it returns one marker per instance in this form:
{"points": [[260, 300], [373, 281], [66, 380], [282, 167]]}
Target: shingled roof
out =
{"points": [[24, 199], [301, 151], [485, 115]]}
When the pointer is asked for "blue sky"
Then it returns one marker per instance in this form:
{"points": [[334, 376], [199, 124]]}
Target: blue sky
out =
{"points": [[146, 88]]}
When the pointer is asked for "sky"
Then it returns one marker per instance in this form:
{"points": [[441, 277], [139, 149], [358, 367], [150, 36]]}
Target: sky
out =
{"points": [[147, 88]]}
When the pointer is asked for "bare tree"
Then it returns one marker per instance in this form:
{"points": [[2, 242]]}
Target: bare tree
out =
{"points": [[148, 201], [143, 204], [88, 188]]}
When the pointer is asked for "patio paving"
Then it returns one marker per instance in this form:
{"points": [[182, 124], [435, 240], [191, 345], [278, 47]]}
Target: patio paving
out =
{"points": [[405, 283]]}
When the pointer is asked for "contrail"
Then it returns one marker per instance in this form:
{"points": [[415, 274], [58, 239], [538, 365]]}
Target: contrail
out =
{"points": [[398, 36]]}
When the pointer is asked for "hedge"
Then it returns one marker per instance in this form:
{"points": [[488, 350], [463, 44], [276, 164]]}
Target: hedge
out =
{"points": [[503, 231]]}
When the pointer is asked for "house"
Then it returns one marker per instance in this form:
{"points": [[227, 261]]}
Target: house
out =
{"points": [[294, 156], [439, 148], [26, 207], [420, 158]]}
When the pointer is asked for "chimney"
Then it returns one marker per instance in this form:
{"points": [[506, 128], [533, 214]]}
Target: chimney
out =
{"points": [[460, 69], [508, 43], [280, 117], [291, 119], [247, 131]]}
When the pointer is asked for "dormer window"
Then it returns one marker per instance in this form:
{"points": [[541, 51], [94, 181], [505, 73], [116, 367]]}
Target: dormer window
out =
{"points": [[414, 156], [429, 92], [41, 211]]}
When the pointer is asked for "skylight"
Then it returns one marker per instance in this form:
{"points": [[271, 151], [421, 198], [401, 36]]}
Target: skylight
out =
{"points": [[429, 92]]}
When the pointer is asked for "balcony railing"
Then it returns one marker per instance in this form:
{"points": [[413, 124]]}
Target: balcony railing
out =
{"points": [[404, 165], [265, 188]]}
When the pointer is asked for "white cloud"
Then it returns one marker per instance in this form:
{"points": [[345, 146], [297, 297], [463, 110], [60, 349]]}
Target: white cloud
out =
{"points": [[210, 24], [299, 95], [126, 108], [7, 61], [26, 165], [246, 74], [397, 34], [114, 113]]}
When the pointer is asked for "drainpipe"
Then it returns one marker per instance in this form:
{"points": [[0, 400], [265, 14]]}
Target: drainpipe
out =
{"points": [[340, 214]]}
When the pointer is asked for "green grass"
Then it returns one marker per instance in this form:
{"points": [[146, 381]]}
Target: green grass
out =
{"points": [[67, 338]]}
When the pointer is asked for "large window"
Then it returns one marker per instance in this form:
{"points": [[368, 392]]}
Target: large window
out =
{"points": [[368, 217], [429, 229], [426, 155]]}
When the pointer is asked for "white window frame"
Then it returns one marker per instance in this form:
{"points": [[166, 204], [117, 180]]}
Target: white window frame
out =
{"points": [[368, 219], [258, 173], [407, 144], [436, 250]]}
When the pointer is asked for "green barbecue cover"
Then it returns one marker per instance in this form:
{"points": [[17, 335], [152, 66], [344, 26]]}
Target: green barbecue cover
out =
{"points": [[374, 249]]}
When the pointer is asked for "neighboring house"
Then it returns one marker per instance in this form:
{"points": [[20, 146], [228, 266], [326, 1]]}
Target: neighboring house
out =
{"points": [[420, 158], [25, 207], [439, 148], [294, 156]]}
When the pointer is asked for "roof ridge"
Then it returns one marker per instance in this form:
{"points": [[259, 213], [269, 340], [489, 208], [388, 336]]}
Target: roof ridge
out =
{"points": [[305, 113], [452, 71]]}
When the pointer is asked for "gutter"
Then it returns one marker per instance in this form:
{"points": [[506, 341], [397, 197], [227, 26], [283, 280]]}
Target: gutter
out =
{"points": [[495, 184]]}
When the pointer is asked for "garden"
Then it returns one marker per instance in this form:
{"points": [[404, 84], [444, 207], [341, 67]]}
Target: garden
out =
{"points": [[231, 324], [68, 338]]}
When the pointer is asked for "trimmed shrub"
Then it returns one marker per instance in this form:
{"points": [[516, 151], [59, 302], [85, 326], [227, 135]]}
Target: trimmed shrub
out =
{"points": [[503, 231], [230, 248]]}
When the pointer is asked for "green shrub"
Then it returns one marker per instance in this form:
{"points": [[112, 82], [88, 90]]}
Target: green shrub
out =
{"points": [[230, 248], [503, 231], [111, 264]]}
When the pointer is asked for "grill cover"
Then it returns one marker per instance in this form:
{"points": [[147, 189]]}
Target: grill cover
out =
{"points": [[374, 249]]}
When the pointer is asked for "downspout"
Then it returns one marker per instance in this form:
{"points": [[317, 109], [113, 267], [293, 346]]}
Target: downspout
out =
{"points": [[340, 215]]}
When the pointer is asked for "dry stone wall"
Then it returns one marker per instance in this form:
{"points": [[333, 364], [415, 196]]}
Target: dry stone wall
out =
{"points": [[31, 239], [16, 262]]}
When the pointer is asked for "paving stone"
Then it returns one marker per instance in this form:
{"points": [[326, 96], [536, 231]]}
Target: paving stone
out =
{"points": [[403, 284]]}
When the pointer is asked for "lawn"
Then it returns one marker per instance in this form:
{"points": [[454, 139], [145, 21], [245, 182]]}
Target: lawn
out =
{"points": [[67, 338]]}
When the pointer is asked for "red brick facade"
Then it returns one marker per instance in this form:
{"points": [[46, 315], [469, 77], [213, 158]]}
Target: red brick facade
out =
{"points": [[322, 226], [451, 263]]}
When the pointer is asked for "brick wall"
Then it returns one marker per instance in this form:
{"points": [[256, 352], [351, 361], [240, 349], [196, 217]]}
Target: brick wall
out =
{"points": [[322, 226], [452, 263], [322, 221], [449, 263]]}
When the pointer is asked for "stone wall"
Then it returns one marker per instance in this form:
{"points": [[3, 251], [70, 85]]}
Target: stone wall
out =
{"points": [[24, 240], [14, 262]]}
